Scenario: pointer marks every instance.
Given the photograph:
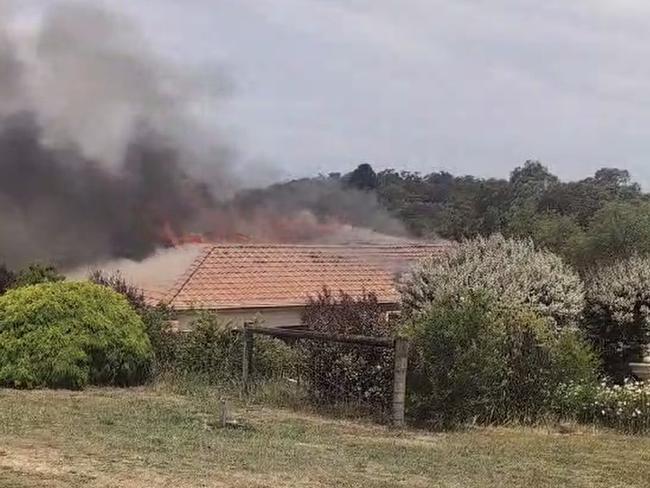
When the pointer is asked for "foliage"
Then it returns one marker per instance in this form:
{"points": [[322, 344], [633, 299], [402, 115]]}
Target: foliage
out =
{"points": [[513, 270], [31, 275], [164, 341], [617, 313], [118, 283], [623, 407], [362, 178], [68, 335], [476, 360], [619, 230], [340, 373], [560, 234], [37, 273], [212, 350], [600, 216]]}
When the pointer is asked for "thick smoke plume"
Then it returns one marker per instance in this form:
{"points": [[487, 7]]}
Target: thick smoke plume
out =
{"points": [[103, 155], [94, 160]]}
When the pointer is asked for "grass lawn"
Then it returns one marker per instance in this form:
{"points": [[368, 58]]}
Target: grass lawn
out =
{"points": [[153, 438]]}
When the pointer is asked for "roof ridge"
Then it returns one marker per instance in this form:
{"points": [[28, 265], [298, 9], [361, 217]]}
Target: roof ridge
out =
{"points": [[184, 278], [324, 246]]}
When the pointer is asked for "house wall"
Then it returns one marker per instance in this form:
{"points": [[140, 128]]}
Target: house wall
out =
{"points": [[271, 317]]}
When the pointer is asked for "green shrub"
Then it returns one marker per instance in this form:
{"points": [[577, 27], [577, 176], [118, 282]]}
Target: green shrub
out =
{"points": [[165, 343], [35, 274], [212, 350], [623, 407], [512, 270], [68, 335], [31, 275], [617, 313], [476, 360], [344, 373], [116, 282]]}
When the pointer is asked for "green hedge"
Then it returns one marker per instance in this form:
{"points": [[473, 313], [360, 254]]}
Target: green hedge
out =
{"points": [[212, 350], [475, 360], [69, 335]]}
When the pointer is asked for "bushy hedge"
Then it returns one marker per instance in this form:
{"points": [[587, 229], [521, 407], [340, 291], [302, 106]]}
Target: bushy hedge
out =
{"points": [[212, 350], [476, 360], [512, 270], [343, 373], [617, 313], [68, 335]]}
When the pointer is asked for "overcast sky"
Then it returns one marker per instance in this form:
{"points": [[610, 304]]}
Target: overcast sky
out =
{"points": [[467, 86]]}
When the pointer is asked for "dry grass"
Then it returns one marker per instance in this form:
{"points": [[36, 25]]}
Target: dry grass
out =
{"points": [[151, 437]]}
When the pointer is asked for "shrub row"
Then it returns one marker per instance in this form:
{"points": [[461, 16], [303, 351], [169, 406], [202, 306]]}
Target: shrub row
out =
{"points": [[212, 350], [500, 328], [623, 407], [612, 307]]}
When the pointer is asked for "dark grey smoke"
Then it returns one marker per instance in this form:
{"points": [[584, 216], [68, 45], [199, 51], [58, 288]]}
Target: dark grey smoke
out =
{"points": [[101, 155], [95, 160], [58, 206]]}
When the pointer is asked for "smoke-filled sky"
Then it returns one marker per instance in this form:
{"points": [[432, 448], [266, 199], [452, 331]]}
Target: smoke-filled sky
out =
{"points": [[111, 148], [469, 86]]}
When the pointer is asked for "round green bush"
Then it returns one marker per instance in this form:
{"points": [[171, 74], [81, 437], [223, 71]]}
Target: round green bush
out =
{"points": [[512, 270], [68, 335]]}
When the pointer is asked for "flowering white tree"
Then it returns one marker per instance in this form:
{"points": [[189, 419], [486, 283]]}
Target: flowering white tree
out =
{"points": [[513, 271], [618, 311]]}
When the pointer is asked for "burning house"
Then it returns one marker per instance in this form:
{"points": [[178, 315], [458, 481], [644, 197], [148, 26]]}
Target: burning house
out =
{"points": [[105, 166], [271, 282]]}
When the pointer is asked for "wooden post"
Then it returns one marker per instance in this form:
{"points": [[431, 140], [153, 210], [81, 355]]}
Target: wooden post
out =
{"points": [[223, 413], [247, 357], [399, 380]]}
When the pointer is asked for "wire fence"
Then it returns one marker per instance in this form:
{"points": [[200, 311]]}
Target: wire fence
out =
{"points": [[365, 375]]}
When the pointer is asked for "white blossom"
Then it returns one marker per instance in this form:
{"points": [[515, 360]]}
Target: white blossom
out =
{"points": [[513, 270], [621, 291]]}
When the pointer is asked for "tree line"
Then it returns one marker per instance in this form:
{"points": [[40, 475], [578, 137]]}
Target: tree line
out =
{"points": [[600, 218]]}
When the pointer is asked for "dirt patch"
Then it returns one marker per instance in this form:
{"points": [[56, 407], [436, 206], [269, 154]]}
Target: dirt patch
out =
{"points": [[38, 462]]}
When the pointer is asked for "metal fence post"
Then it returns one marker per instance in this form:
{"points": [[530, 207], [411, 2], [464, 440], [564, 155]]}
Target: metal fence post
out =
{"points": [[247, 356], [399, 380]]}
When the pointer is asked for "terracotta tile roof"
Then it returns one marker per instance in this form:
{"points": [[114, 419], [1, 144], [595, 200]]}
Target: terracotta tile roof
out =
{"points": [[227, 276]]}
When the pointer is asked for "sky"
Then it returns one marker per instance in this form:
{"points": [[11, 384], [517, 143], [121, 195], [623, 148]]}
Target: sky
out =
{"points": [[466, 86]]}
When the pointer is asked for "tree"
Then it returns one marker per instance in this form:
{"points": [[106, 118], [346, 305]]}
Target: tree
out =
{"points": [[533, 203], [531, 180], [562, 235], [514, 271], [617, 312], [363, 177], [616, 181], [619, 230]]}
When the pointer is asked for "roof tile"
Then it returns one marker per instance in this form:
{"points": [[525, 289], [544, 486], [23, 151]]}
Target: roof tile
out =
{"points": [[260, 275]]}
